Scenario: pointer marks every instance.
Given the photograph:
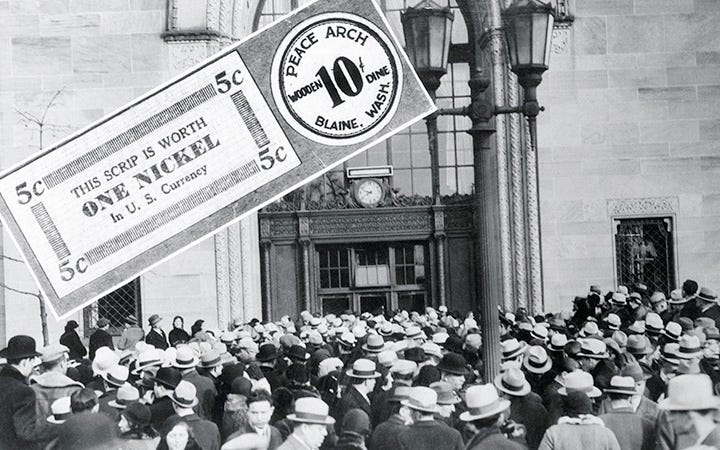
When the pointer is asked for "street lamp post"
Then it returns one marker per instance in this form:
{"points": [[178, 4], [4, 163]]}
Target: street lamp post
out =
{"points": [[528, 27]]}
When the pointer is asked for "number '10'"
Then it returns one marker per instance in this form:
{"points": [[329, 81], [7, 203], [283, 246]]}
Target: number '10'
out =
{"points": [[341, 81]]}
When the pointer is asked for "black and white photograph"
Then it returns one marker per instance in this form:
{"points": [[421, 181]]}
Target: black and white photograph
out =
{"points": [[359, 224]]}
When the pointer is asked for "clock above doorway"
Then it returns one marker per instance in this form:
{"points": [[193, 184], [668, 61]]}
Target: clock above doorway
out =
{"points": [[369, 185]]}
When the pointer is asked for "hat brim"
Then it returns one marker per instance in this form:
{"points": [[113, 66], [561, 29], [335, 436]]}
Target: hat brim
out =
{"points": [[53, 420], [682, 301], [520, 350], [115, 404], [594, 356], [642, 351], [539, 370], [619, 391], [698, 354], [594, 392], [502, 406], [327, 421], [189, 365], [350, 373], [182, 405], [373, 350], [521, 393], [4, 354], [711, 402], [417, 407]]}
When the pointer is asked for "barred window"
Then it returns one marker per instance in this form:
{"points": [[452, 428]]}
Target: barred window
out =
{"points": [[334, 268], [115, 307], [644, 252]]}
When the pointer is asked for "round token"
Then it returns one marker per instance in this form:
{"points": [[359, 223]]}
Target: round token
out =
{"points": [[336, 79]]}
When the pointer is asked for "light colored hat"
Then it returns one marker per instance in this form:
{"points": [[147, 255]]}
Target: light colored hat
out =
{"points": [[707, 295], [414, 332], [374, 344], [359, 332], [654, 323], [125, 394], [432, 349], [622, 290], [622, 385], [185, 395], [657, 297], [620, 338], [445, 393], [403, 367], [593, 348], [579, 380], [311, 410], [363, 368], [53, 352], [117, 375], [690, 393], [676, 297], [328, 365], [440, 338], [483, 401], [422, 399], [536, 360], [228, 337], [638, 327], [387, 358], [104, 360], [148, 358], [540, 332], [558, 342], [347, 339], [689, 347], [613, 321], [185, 357], [590, 329], [619, 298], [511, 348], [669, 353], [209, 359], [60, 410], [513, 382], [672, 331], [637, 344], [473, 341]]}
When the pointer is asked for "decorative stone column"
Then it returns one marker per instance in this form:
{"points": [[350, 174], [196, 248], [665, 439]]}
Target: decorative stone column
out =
{"points": [[197, 29]]}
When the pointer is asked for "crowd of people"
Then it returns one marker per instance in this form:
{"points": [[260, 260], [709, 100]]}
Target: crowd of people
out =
{"points": [[628, 369]]}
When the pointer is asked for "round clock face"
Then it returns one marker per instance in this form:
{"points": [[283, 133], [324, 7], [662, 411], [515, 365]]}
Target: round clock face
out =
{"points": [[369, 192]]}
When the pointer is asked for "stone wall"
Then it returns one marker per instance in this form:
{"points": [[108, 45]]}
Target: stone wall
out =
{"points": [[99, 55], [633, 111]]}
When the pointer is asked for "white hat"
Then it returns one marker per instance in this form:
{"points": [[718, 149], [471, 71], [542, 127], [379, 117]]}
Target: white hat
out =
{"points": [[690, 393], [104, 360], [483, 401], [422, 399], [60, 410], [311, 410]]}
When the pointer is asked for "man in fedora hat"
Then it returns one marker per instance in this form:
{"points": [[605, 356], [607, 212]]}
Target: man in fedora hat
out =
{"points": [[156, 336], [113, 379], [709, 307], [526, 407], [692, 406], [631, 430], [426, 432], [131, 335], [184, 399], [363, 376], [186, 361], [20, 426], [100, 338], [53, 383], [164, 383], [484, 416], [386, 435], [311, 422]]}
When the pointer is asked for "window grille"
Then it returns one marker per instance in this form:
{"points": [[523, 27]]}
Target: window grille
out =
{"points": [[644, 253], [334, 268], [115, 307]]}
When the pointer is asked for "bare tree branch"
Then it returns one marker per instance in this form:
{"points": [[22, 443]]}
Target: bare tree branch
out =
{"points": [[32, 294], [11, 258]]}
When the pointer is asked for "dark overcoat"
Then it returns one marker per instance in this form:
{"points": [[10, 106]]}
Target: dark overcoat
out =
{"points": [[99, 338], [157, 339], [351, 399], [492, 439], [386, 436], [430, 434], [20, 427]]}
